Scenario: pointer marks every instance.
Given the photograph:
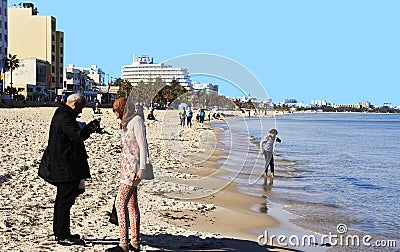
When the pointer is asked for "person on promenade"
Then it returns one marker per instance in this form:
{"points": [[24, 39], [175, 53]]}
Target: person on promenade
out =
{"points": [[64, 163], [202, 115], [267, 149], [134, 155], [182, 117], [189, 115]]}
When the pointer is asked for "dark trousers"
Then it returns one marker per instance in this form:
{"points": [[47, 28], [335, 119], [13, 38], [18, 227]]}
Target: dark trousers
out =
{"points": [[66, 194], [189, 121], [269, 161]]}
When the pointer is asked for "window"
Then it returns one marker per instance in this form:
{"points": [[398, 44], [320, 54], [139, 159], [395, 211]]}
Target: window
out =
{"points": [[5, 37], [53, 58], [52, 69], [53, 48], [5, 25], [61, 59], [61, 79]]}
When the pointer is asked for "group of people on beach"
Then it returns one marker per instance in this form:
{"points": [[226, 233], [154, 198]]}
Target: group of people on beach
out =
{"points": [[185, 116], [65, 165]]}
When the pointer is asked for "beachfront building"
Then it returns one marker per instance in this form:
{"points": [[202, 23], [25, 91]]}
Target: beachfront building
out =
{"points": [[3, 39], [30, 79], [33, 36], [262, 103], [76, 79], [319, 103], [208, 88], [364, 104], [357, 106], [94, 73], [144, 69], [291, 103]]}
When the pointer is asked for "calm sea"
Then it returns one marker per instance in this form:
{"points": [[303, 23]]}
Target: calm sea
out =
{"points": [[331, 168]]}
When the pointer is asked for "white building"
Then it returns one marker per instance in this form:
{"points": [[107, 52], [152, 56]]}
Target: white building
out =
{"points": [[30, 78], [364, 104], [3, 37], [94, 73], [144, 69], [262, 103], [387, 104], [75, 80], [30, 71], [208, 88], [319, 103], [292, 103]]}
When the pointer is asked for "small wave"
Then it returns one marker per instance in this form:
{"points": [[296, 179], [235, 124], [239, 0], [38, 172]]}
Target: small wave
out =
{"points": [[360, 184]]}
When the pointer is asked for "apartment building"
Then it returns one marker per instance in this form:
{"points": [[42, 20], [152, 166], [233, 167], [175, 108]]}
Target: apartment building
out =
{"points": [[34, 36], [144, 69]]}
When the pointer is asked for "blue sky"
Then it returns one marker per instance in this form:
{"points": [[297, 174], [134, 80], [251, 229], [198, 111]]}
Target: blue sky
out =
{"points": [[339, 51]]}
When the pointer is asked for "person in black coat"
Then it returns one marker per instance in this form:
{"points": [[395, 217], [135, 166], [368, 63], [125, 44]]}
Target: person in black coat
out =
{"points": [[64, 163]]}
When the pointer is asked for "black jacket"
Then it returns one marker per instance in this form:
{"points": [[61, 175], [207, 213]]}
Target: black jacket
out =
{"points": [[65, 158]]}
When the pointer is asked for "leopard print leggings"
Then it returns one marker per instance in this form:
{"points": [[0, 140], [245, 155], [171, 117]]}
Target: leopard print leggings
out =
{"points": [[126, 202]]}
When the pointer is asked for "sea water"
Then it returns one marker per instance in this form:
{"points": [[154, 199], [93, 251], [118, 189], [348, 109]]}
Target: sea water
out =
{"points": [[331, 168]]}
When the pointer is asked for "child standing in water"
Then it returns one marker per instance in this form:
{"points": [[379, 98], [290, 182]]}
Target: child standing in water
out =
{"points": [[267, 149]]}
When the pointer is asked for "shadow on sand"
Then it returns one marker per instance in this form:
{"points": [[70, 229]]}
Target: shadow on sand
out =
{"points": [[168, 242]]}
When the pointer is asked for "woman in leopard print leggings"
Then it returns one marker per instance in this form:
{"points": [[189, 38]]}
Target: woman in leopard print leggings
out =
{"points": [[134, 154]]}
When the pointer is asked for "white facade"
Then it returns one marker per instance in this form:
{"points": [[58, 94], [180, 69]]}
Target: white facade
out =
{"points": [[262, 102], [75, 80], [209, 88], [95, 73], [387, 104], [364, 104], [143, 69], [319, 103], [30, 71]]}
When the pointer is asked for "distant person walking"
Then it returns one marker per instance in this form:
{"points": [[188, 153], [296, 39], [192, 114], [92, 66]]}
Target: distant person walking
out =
{"points": [[202, 115], [182, 117], [189, 115], [267, 149], [64, 164]]}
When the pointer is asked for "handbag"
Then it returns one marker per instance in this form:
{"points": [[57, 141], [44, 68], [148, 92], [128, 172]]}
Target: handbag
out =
{"points": [[148, 172], [114, 217]]}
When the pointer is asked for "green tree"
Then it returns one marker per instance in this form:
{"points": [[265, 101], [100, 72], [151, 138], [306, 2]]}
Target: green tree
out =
{"points": [[125, 87], [11, 63]]}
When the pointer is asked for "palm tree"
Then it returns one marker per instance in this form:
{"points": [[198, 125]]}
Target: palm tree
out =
{"points": [[11, 63]]}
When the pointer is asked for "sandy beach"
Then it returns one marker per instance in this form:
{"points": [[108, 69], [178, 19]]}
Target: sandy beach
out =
{"points": [[187, 207]]}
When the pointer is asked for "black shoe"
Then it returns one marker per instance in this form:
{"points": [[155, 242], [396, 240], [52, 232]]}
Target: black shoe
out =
{"points": [[71, 240], [115, 249], [135, 249], [76, 236]]}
